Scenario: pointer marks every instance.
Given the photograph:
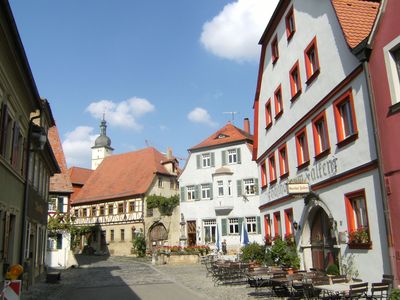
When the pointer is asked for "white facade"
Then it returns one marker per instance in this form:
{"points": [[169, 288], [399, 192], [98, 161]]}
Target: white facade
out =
{"points": [[219, 188], [339, 175], [98, 154]]}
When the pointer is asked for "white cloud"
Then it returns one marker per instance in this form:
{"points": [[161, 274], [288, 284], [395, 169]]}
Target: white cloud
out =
{"points": [[200, 115], [122, 114], [77, 146], [234, 33]]}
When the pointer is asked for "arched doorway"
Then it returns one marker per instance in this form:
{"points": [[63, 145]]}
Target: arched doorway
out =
{"points": [[322, 240], [158, 234]]}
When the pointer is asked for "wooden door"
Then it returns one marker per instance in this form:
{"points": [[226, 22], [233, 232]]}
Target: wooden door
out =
{"points": [[191, 229]]}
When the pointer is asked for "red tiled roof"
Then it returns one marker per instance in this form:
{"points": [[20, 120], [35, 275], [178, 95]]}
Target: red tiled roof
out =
{"points": [[123, 175], [79, 175], [228, 134], [59, 182], [356, 18]]}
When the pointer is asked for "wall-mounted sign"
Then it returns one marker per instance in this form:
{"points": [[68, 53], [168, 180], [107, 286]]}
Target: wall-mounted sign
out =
{"points": [[298, 188]]}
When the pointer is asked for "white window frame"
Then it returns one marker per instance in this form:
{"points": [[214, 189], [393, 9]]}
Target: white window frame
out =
{"points": [[220, 188], [233, 227], [249, 186], [229, 187], [391, 69], [232, 156], [251, 224], [206, 160], [210, 226], [206, 191], [191, 192]]}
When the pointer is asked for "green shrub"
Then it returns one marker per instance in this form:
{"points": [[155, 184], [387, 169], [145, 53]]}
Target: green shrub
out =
{"points": [[395, 294], [253, 252], [332, 269], [165, 205], [282, 254], [139, 245]]}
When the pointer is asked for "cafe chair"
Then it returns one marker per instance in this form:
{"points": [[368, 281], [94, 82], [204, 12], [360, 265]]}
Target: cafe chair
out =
{"points": [[357, 291], [339, 279], [379, 290], [388, 279]]}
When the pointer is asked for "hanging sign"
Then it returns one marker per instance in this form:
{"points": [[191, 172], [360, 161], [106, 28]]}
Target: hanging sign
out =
{"points": [[298, 188]]}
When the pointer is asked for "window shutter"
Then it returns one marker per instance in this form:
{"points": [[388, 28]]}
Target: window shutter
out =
{"points": [[240, 222], [256, 188], [183, 195], [258, 225], [198, 158], [211, 191], [224, 223], [59, 241], [239, 156], [212, 159], [239, 187], [197, 193], [223, 158]]}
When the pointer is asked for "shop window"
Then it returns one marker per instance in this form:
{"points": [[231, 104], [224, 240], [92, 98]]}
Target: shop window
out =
{"points": [[283, 162], [263, 175], [303, 158], [295, 82], [321, 138], [268, 114], [278, 102], [272, 169], [312, 61], [275, 50], [290, 24], [345, 119]]}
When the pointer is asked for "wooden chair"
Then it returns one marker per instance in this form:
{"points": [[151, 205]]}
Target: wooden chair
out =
{"points": [[339, 279], [379, 290], [357, 291], [388, 279]]}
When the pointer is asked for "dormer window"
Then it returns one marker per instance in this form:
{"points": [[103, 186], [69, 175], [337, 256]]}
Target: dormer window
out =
{"points": [[222, 136]]}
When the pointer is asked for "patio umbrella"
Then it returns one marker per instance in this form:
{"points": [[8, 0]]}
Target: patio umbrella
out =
{"points": [[244, 237], [217, 240]]}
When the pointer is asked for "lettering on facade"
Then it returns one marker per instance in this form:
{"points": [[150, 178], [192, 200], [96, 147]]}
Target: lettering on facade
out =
{"points": [[321, 170]]}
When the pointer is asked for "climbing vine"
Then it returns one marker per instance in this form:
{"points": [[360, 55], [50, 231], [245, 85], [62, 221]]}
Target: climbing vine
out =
{"points": [[165, 205]]}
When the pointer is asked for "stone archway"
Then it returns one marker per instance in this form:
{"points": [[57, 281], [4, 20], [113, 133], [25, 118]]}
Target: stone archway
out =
{"points": [[157, 235], [319, 235]]}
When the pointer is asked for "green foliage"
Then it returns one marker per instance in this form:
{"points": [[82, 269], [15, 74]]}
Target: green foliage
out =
{"points": [[283, 254], [395, 294], [139, 245], [58, 223], [165, 205], [78, 231], [332, 269], [348, 266], [253, 252]]}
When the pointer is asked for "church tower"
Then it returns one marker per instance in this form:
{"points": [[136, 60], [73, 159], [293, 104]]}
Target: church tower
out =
{"points": [[102, 146]]}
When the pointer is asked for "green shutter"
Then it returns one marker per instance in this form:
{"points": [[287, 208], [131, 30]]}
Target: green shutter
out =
{"points": [[258, 225], [240, 225], [224, 225], [239, 187], [223, 158], [256, 188], [211, 191], [197, 193], [212, 155], [198, 161], [183, 194], [239, 156]]}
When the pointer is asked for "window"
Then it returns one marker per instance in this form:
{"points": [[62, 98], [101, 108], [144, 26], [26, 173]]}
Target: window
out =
{"points": [[321, 138], [206, 191], [268, 114], [357, 217], [392, 61], [283, 162], [272, 169], [290, 24], [232, 156], [278, 102], [303, 157], [267, 227], [191, 192], [160, 182], [206, 160], [101, 210], [277, 224], [210, 229], [138, 205], [93, 211], [249, 187], [112, 235], [110, 209], [76, 213], [229, 187], [274, 50], [131, 206], [5, 131], [172, 183], [122, 234], [288, 221], [120, 208], [263, 175], [220, 185], [84, 212], [295, 83], [233, 225], [345, 119], [311, 60], [251, 224]]}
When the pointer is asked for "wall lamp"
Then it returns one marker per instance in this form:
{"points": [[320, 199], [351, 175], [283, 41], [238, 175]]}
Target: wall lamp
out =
{"points": [[296, 225]]}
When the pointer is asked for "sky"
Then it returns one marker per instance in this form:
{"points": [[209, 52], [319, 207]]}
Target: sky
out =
{"points": [[165, 73]]}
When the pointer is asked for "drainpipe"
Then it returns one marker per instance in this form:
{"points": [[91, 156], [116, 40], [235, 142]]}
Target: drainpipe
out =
{"points": [[386, 209], [26, 193]]}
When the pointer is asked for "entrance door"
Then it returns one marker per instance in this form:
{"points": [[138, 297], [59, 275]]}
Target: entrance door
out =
{"points": [[322, 250], [158, 234], [191, 225]]}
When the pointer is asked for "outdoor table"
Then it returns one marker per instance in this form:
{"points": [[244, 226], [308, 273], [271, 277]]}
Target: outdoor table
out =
{"points": [[336, 288]]}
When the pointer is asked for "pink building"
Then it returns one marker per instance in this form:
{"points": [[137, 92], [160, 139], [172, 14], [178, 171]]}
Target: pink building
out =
{"points": [[384, 69]]}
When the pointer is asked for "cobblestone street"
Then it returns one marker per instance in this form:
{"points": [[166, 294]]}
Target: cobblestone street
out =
{"points": [[99, 277]]}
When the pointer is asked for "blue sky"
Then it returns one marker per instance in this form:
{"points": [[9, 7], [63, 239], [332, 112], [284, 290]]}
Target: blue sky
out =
{"points": [[163, 71]]}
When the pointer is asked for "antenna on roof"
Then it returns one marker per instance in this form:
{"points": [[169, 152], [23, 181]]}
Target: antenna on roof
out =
{"points": [[233, 113]]}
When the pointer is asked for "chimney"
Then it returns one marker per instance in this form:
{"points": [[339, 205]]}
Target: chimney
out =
{"points": [[246, 125], [169, 153]]}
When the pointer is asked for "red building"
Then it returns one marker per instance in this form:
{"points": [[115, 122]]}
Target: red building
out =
{"points": [[384, 69]]}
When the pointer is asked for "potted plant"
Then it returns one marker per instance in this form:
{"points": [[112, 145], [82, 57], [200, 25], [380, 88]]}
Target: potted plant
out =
{"points": [[359, 238], [283, 254]]}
